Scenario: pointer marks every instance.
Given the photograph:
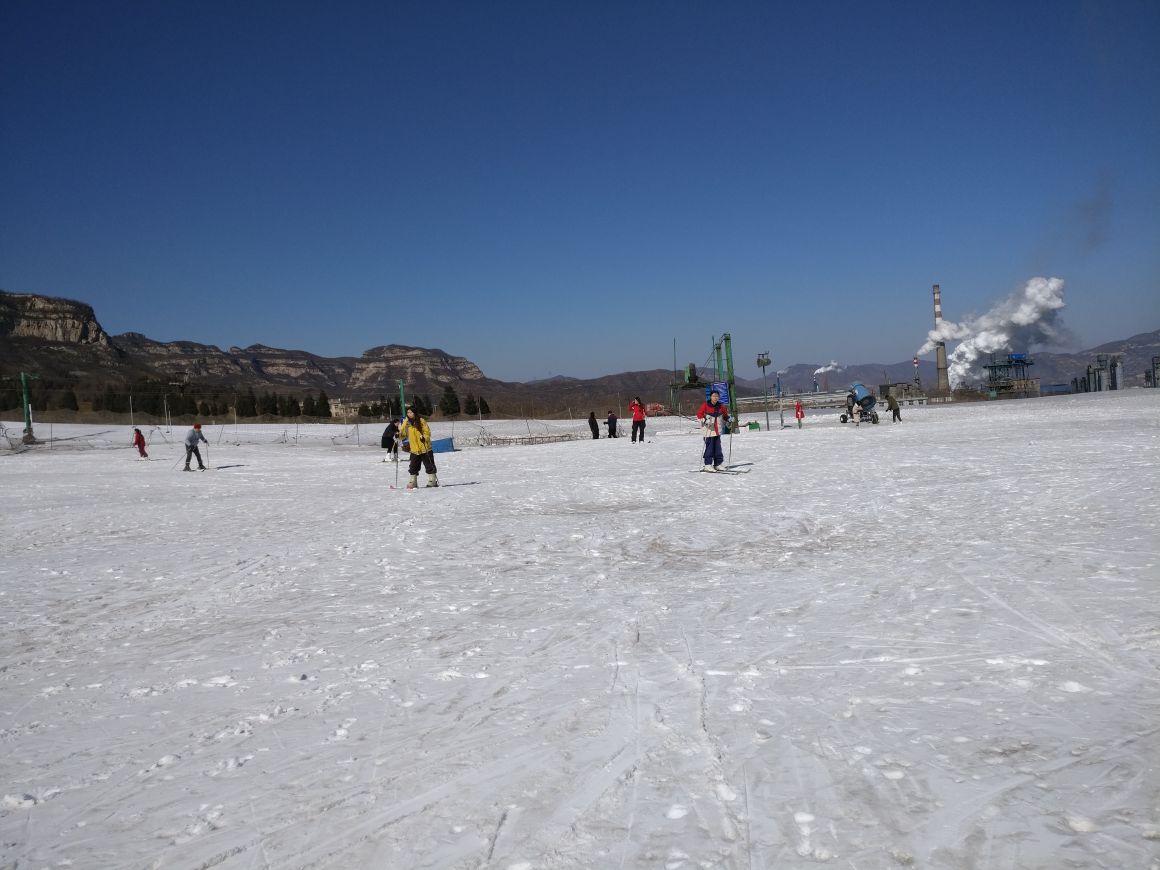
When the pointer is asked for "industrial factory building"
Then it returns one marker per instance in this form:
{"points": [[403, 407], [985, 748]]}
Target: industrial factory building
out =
{"points": [[1008, 379], [1106, 374]]}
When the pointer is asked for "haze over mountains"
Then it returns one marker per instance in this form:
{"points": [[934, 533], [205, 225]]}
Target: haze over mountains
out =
{"points": [[62, 339]]}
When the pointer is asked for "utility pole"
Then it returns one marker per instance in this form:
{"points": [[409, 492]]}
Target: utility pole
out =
{"points": [[780, 407], [762, 363]]}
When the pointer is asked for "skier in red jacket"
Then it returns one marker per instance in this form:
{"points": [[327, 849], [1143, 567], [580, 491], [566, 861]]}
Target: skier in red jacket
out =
{"points": [[638, 415], [713, 414], [139, 443]]}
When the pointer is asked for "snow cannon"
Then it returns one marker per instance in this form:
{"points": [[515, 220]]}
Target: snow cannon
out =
{"points": [[864, 402], [862, 396]]}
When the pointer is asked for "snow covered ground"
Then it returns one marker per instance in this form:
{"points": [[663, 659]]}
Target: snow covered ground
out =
{"points": [[933, 644]]}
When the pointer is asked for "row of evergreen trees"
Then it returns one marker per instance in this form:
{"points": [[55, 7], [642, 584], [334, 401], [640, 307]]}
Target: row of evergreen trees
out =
{"points": [[449, 406], [157, 400]]}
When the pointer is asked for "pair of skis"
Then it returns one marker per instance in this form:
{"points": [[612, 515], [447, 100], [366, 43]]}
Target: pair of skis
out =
{"points": [[728, 469]]}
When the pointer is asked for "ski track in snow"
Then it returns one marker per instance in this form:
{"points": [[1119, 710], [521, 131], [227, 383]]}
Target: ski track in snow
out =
{"points": [[932, 644]]}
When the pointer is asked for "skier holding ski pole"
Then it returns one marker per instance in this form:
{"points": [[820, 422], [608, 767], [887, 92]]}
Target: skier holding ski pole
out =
{"points": [[417, 435], [191, 438], [713, 414]]}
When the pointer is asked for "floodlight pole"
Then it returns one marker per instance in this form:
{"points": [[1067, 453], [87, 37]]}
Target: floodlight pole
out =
{"points": [[762, 363]]}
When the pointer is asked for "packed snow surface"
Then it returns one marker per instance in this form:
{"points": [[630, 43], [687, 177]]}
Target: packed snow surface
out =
{"points": [[931, 644]]}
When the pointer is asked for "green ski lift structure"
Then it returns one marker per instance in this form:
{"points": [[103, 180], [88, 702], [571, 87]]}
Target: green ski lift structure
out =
{"points": [[722, 357]]}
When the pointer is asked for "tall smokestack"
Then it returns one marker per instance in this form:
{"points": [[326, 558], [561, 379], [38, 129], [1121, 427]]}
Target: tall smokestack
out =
{"points": [[940, 349]]}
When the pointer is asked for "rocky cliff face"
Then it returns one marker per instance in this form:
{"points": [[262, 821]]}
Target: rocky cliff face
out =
{"points": [[25, 315], [380, 367], [258, 367]]}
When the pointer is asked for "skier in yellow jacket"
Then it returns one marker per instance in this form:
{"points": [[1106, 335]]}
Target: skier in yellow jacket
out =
{"points": [[416, 434]]}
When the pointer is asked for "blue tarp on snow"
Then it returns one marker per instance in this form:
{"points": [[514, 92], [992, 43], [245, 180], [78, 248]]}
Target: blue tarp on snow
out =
{"points": [[443, 445]]}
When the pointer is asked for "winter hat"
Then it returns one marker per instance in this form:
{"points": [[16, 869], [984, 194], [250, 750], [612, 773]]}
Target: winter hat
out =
{"points": [[196, 425]]}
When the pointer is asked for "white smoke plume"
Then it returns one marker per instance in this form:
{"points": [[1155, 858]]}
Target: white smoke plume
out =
{"points": [[1027, 319], [832, 367]]}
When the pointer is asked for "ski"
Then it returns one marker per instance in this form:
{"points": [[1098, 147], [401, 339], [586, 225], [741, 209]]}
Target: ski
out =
{"points": [[440, 486], [722, 471]]}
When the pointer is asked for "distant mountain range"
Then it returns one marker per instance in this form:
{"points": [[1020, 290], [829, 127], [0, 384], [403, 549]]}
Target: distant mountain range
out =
{"points": [[61, 340]]}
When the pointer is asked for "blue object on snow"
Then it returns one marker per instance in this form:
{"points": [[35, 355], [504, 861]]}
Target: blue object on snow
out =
{"points": [[861, 394], [443, 445]]}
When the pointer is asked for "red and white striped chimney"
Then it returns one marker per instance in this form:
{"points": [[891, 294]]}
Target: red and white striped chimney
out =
{"points": [[940, 349]]}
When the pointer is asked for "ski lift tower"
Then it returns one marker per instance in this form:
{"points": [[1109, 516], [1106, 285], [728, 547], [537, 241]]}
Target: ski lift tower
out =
{"points": [[726, 345]]}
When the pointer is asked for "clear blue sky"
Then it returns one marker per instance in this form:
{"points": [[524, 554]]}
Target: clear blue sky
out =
{"points": [[566, 188]]}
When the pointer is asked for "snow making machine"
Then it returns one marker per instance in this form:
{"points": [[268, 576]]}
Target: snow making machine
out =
{"points": [[862, 410]]}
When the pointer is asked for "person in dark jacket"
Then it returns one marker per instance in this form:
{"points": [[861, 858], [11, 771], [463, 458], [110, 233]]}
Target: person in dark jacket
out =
{"points": [[139, 443], [593, 425], [611, 422], [892, 404], [638, 415], [390, 441]]}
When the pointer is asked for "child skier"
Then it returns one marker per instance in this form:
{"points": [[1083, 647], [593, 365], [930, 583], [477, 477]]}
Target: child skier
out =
{"points": [[713, 414], [139, 443]]}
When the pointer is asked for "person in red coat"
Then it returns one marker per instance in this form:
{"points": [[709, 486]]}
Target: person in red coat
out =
{"points": [[713, 415], [139, 443], [638, 415], [799, 412]]}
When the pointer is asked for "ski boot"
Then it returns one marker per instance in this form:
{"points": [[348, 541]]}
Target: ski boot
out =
{"points": [[413, 483], [432, 480]]}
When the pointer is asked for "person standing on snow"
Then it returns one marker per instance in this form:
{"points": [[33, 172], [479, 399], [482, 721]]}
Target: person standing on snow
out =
{"points": [[799, 412], [638, 415], [191, 438], [418, 437], [892, 404], [713, 414], [593, 425], [611, 421], [390, 441], [139, 443]]}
